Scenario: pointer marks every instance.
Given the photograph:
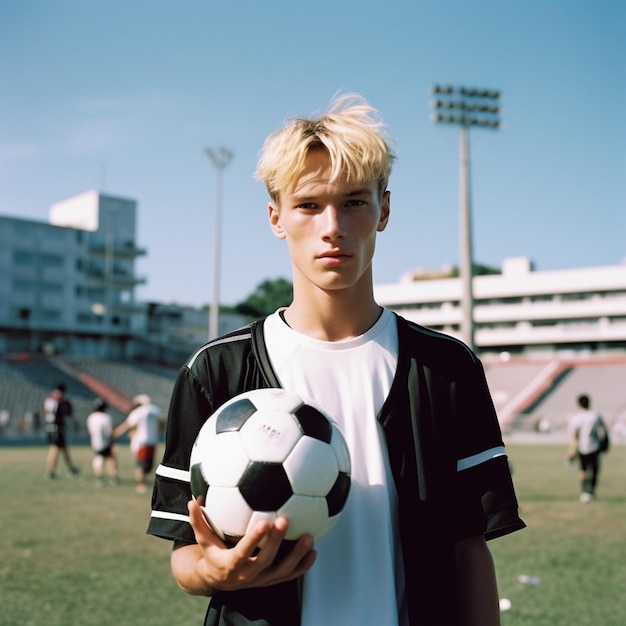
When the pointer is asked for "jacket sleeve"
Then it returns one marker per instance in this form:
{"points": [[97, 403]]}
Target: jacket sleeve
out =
{"points": [[486, 498], [189, 409]]}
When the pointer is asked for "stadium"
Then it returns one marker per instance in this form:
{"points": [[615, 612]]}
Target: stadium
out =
{"points": [[160, 110]]}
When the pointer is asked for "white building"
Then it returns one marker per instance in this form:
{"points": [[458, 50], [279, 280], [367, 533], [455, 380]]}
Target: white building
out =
{"points": [[522, 310]]}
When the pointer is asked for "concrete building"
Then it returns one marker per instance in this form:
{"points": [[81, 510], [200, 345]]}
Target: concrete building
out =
{"points": [[68, 286], [173, 331], [521, 310]]}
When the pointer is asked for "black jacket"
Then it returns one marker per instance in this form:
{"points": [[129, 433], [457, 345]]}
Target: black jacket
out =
{"points": [[445, 450]]}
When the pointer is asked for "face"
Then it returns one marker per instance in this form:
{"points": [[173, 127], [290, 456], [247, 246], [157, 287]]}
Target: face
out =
{"points": [[330, 227]]}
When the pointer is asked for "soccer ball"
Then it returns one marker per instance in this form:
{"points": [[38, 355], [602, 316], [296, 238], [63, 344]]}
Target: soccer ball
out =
{"points": [[267, 453]]}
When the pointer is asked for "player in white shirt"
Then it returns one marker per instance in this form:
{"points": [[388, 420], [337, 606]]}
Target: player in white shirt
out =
{"points": [[100, 428], [586, 430], [144, 422]]}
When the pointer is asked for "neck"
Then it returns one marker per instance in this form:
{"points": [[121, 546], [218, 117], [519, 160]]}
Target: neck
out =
{"points": [[331, 316]]}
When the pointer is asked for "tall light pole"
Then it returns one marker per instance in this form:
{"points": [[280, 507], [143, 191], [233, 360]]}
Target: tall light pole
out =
{"points": [[219, 157], [466, 107]]}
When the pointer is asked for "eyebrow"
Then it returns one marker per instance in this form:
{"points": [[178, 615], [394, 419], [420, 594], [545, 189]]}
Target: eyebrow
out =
{"points": [[349, 194], [352, 193], [359, 192]]}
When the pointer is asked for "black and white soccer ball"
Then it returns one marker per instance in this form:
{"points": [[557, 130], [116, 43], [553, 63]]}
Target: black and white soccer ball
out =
{"points": [[267, 453]]}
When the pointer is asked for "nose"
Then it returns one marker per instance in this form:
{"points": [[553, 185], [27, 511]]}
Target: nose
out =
{"points": [[333, 227]]}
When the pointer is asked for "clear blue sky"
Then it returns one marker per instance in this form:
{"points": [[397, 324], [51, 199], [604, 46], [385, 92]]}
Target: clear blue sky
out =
{"points": [[123, 96]]}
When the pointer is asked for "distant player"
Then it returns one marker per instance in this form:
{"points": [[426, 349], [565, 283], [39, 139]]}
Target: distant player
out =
{"points": [[430, 479], [57, 409], [144, 423], [100, 428], [586, 429]]}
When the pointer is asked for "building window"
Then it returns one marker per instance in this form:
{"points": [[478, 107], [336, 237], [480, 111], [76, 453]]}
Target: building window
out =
{"points": [[52, 260], [51, 288], [24, 258], [21, 285], [89, 319], [57, 234], [49, 315], [494, 301], [22, 229], [573, 297], [97, 294]]}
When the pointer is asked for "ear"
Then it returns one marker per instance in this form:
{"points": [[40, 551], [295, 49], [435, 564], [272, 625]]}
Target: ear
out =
{"points": [[273, 213], [385, 209]]}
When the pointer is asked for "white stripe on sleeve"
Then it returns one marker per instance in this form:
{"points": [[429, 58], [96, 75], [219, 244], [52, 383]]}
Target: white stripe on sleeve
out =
{"points": [[172, 516], [171, 472], [481, 457]]}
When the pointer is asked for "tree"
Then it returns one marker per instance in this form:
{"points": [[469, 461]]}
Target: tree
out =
{"points": [[478, 269], [268, 296]]}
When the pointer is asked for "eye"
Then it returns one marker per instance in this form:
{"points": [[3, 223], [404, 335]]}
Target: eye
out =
{"points": [[307, 205], [355, 202]]}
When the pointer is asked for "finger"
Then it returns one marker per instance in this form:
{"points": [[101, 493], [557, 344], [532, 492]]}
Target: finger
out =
{"points": [[291, 563], [255, 538], [283, 556], [196, 517], [202, 530], [306, 563], [272, 541], [299, 554]]}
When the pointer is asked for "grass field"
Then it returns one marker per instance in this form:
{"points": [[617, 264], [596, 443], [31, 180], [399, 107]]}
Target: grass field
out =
{"points": [[73, 554], [578, 551]]}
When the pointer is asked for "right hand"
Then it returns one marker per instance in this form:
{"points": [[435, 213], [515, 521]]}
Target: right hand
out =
{"points": [[251, 562]]}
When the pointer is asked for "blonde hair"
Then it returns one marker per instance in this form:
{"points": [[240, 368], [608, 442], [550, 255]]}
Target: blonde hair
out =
{"points": [[351, 132]]}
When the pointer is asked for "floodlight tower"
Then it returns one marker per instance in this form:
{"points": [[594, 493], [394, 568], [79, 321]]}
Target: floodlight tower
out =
{"points": [[219, 157], [466, 107]]}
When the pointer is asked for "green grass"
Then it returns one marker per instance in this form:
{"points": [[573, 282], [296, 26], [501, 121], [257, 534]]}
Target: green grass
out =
{"points": [[73, 554], [577, 550]]}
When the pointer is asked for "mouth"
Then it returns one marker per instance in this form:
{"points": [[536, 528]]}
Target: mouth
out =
{"points": [[334, 257], [336, 252]]}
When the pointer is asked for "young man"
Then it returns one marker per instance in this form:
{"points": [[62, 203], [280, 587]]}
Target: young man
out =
{"points": [[100, 428], [144, 422], [430, 479], [587, 429], [56, 409]]}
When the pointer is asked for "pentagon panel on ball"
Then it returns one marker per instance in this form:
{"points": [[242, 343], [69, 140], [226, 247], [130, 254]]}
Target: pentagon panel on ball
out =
{"points": [[268, 453]]}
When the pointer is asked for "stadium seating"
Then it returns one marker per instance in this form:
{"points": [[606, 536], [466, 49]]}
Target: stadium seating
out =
{"points": [[530, 395], [541, 395], [26, 379]]}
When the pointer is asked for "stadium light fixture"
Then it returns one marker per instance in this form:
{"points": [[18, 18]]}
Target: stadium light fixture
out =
{"points": [[466, 107], [220, 157]]}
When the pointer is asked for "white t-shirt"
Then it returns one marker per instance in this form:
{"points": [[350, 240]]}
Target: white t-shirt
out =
{"points": [[50, 406], [100, 427], [358, 576], [145, 420], [583, 423]]}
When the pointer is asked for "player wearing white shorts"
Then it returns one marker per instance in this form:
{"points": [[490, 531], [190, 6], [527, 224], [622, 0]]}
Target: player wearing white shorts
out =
{"points": [[100, 429]]}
